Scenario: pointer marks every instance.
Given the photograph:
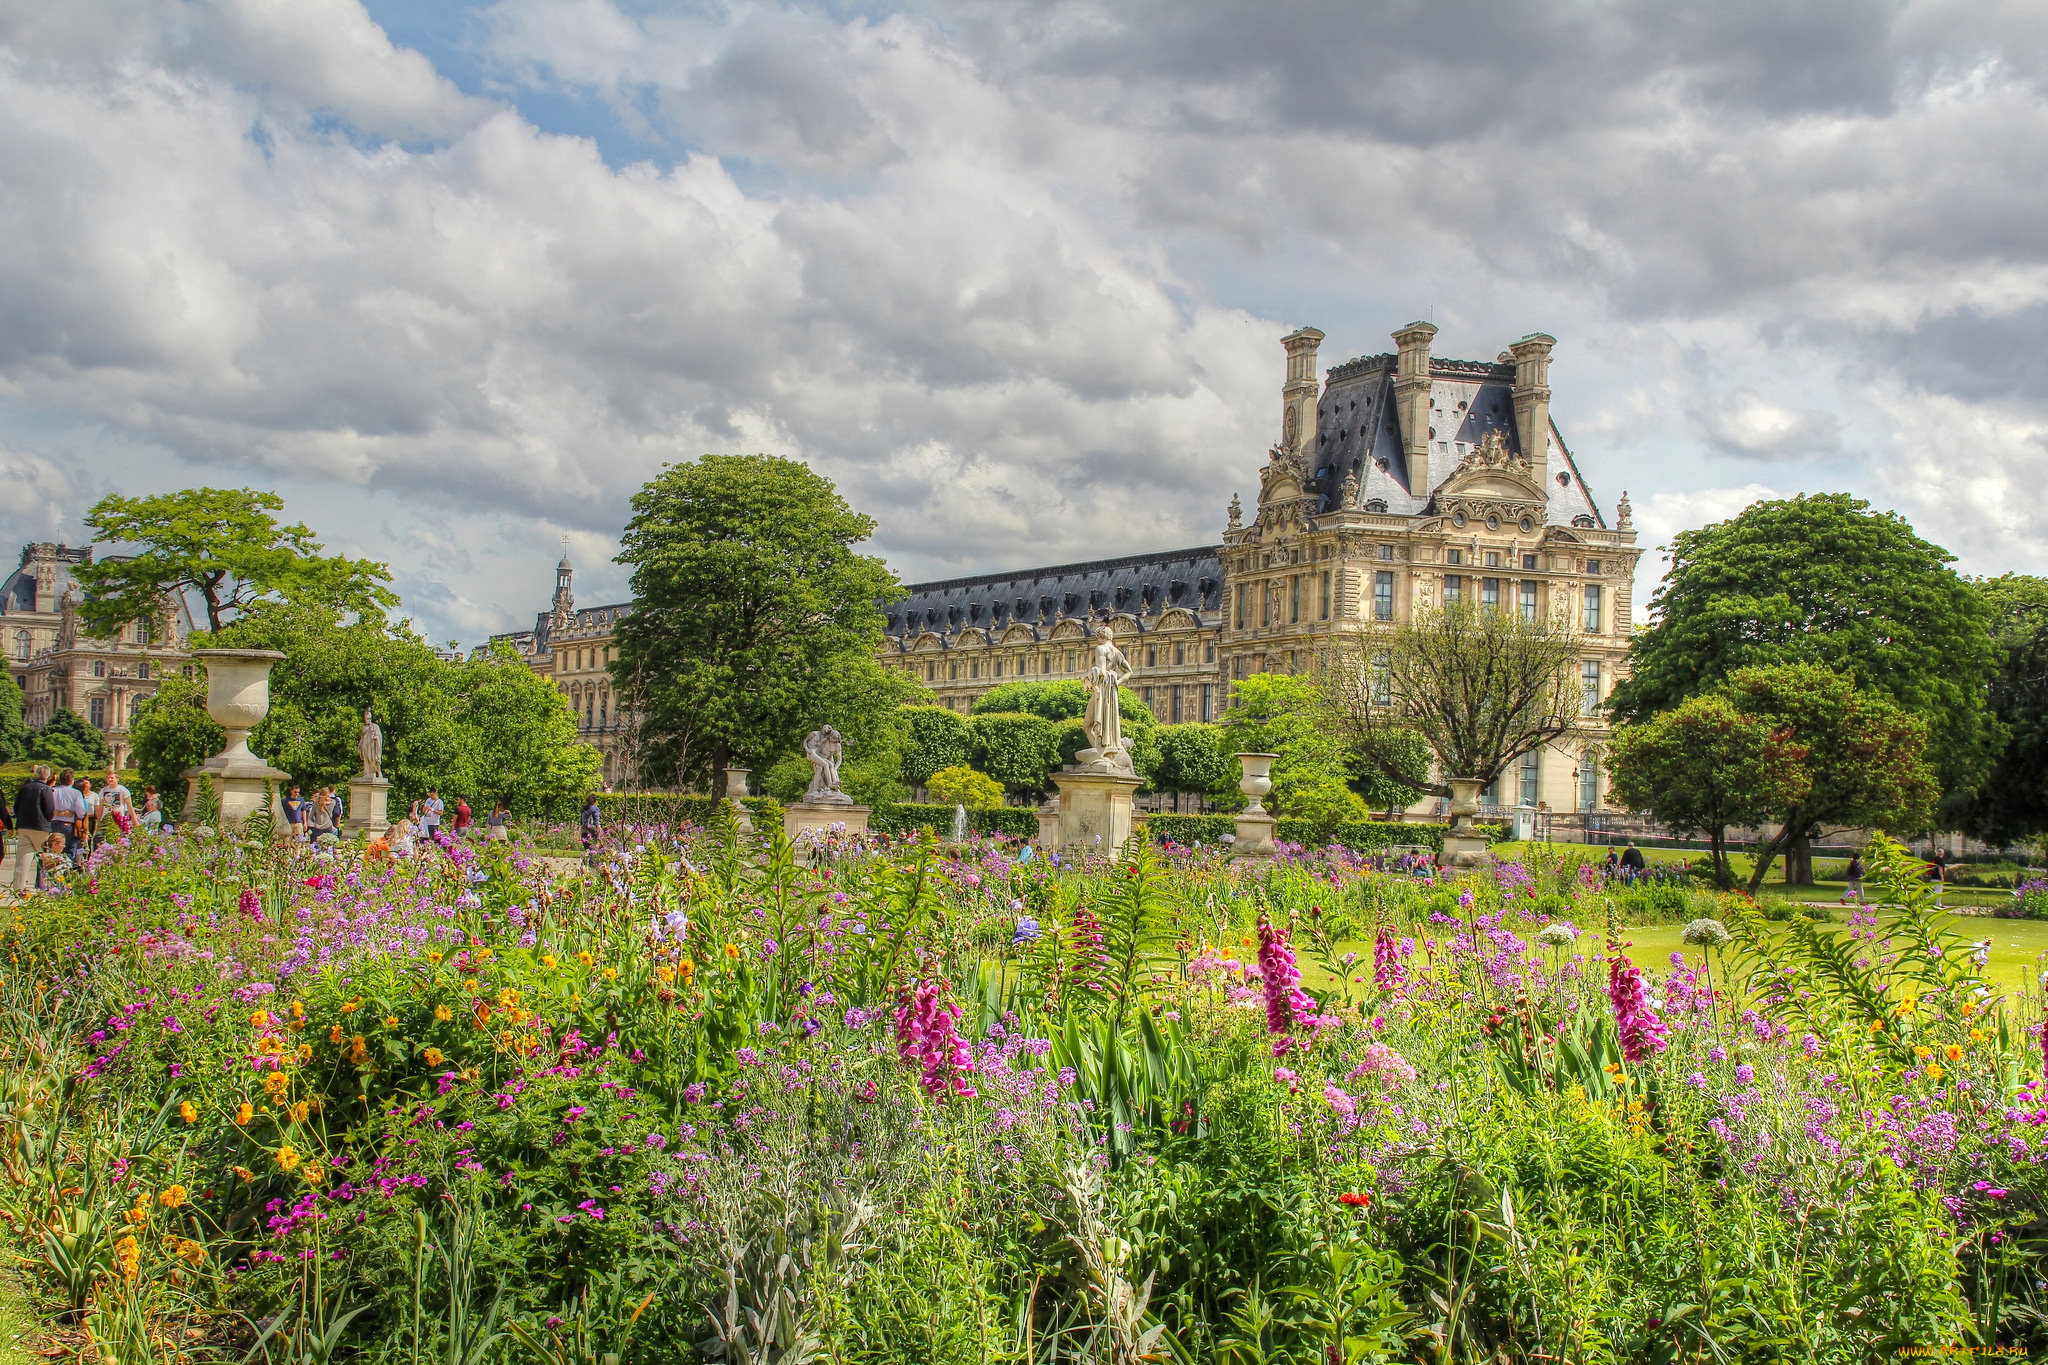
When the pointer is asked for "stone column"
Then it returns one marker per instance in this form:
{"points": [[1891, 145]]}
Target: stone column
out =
{"points": [[1049, 824], [238, 698], [1254, 824], [736, 791]]}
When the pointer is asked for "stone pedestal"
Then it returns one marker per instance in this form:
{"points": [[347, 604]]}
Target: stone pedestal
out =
{"points": [[237, 698], [822, 817], [735, 792], [1462, 849], [367, 805], [1049, 824], [1255, 825], [1095, 810]]}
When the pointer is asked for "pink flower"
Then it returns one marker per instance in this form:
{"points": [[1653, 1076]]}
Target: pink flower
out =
{"points": [[1642, 1032], [1388, 971], [926, 1038], [1288, 1007]]}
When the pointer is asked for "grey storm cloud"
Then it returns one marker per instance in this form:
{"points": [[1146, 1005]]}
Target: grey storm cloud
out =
{"points": [[1010, 273]]}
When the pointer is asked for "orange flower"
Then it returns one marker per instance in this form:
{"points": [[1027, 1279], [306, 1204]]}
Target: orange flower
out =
{"points": [[314, 1173], [298, 1009], [305, 1053], [508, 997], [287, 1158], [443, 1013], [584, 958], [1953, 1052], [276, 1083], [172, 1198], [390, 1021], [481, 1013], [611, 973], [128, 1256], [547, 960], [358, 1051], [434, 958], [334, 1034], [433, 1056], [243, 1113], [243, 1173], [688, 969], [1934, 1071], [297, 1113], [260, 1019], [188, 1113], [664, 975], [188, 1251]]}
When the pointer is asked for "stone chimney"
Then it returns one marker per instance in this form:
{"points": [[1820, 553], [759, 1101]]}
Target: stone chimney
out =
{"points": [[1411, 401], [1532, 396], [1298, 394]]}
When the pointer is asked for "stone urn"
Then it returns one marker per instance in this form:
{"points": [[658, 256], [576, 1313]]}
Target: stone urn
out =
{"points": [[736, 792], [1255, 825], [1462, 848], [237, 698], [1257, 781]]}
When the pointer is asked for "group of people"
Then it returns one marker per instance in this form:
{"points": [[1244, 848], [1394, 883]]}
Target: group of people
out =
{"points": [[424, 825], [59, 817]]}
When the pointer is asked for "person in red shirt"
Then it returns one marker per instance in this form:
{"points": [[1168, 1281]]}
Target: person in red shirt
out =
{"points": [[462, 817]]}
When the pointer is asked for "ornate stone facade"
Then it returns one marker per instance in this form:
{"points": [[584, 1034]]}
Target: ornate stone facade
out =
{"points": [[59, 667], [573, 647], [1401, 482]]}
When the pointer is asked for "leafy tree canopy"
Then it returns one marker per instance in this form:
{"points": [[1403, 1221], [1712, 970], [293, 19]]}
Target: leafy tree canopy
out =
{"points": [[1192, 760], [169, 732], [754, 619], [1822, 580], [223, 545], [1016, 748], [13, 731], [963, 786], [1705, 765], [2010, 803], [1062, 699], [71, 741], [934, 737], [1288, 716]]}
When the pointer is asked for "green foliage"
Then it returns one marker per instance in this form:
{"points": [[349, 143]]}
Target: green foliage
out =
{"points": [[223, 545], [2010, 803], [71, 741], [171, 732], [1364, 836], [668, 808], [13, 733], [934, 737], [754, 619], [1704, 765], [1065, 699], [1192, 760], [903, 817], [1862, 762], [1278, 713], [1826, 581], [962, 785], [1016, 748]]}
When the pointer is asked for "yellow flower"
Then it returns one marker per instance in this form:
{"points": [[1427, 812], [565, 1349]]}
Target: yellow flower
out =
{"points": [[1923, 1053], [1969, 1009], [469, 986], [128, 1256], [287, 1158], [297, 1113], [138, 1214], [664, 975], [188, 1113], [298, 1009], [276, 1083], [358, 1051], [243, 1113], [611, 973], [172, 1198], [584, 958], [334, 1034], [390, 1021], [260, 1019], [351, 1007], [189, 1251], [732, 952], [305, 1053], [434, 958], [314, 1173], [433, 1056], [688, 969], [547, 960], [1906, 1005], [443, 1013], [1953, 1052], [1976, 1035], [483, 954], [508, 997], [1934, 1071]]}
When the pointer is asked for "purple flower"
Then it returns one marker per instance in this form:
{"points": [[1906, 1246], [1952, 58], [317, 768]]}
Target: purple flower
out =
{"points": [[1745, 1073]]}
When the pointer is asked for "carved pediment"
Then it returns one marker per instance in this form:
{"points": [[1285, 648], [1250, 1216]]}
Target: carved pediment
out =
{"points": [[1494, 487]]}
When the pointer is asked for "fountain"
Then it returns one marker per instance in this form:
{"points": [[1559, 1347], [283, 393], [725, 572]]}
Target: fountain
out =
{"points": [[959, 824]]}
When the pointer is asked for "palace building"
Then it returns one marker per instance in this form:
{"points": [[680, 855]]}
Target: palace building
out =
{"points": [[1400, 481], [59, 667], [573, 646]]}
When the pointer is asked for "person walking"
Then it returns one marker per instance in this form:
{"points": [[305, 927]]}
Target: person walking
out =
{"points": [[590, 824], [320, 815], [89, 826], [1855, 891], [497, 827], [464, 817], [152, 809], [117, 804], [70, 811], [35, 808], [1631, 862], [431, 811], [295, 815]]}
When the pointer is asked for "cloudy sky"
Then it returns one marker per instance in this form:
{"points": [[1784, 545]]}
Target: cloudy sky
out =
{"points": [[456, 279]]}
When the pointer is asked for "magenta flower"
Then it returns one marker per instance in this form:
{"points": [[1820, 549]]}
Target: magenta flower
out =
{"points": [[1287, 1005], [1388, 971], [1642, 1032], [926, 1038]]}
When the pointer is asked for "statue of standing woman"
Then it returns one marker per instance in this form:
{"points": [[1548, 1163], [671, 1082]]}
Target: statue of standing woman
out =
{"points": [[1107, 670], [370, 746]]}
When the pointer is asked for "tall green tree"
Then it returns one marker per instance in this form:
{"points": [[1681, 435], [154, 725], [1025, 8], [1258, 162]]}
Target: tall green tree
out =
{"points": [[934, 738], [1865, 763], [168, 732], [1477, 688], [1705, 765], [1823, 580], [753, 612], [2010, 802], [71, 741], [1288, 716], [13, 730], [223, 546], [1192, 761], [1016, 748]]}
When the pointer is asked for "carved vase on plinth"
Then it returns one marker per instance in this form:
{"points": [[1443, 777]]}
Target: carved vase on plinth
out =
{"points": [[237, 698], [1255, 825], [1462, 847]]}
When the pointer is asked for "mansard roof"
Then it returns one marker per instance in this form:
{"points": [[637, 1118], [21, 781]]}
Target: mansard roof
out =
{"points": [[1359, 432], [1144, 587], [540, 639]]}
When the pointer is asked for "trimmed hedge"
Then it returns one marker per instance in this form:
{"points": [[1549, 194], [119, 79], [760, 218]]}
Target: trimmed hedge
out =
{"points": [[1189, 830], [905, 816], [658, 808], [1361, 836]]}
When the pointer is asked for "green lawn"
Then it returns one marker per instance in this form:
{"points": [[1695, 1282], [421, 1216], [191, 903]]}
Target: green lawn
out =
{"points": [[1774, 884]]}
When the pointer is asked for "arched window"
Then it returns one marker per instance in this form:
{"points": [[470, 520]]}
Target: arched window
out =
{"points": [[24, 644]]}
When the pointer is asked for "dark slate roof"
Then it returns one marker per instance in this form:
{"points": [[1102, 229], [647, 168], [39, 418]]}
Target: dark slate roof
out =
{"points": [[1358, 431], [1144, 586], [537, 640]]}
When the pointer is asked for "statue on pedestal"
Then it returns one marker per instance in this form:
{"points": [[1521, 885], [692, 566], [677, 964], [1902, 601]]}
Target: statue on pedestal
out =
{"points": [[1107, 669], [370, 746], [824, 748]]}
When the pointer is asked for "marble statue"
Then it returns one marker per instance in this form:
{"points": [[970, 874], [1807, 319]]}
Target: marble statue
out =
{"points": [[1236, 513], [824, 748], [370, 746], [1107, 669], [1624, 515]]}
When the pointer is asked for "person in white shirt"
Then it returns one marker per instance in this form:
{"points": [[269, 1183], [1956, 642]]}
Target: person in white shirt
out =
{"points": [[70, 814], [116, 802], [430, 813]]}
